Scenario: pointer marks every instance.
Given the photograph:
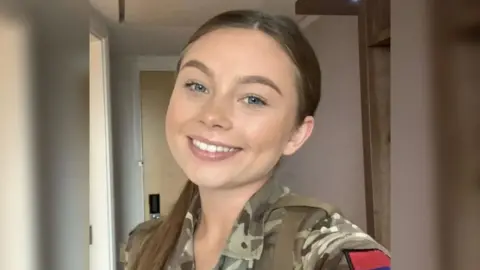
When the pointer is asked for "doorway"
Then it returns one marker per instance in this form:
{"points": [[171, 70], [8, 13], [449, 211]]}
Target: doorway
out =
{"points": [[161, 174]]}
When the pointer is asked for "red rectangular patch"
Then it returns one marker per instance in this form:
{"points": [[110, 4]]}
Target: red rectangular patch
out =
{"points": [[367, 259]]}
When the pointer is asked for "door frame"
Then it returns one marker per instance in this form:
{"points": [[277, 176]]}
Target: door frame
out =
{"points": [[100, 31]]}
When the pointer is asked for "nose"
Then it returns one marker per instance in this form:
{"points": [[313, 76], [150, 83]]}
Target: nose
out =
{"points": [[216, 115]]}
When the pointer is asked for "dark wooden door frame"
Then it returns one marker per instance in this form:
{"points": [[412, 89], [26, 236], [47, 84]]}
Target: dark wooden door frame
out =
{"points": [[374, 52], [326, 7]]}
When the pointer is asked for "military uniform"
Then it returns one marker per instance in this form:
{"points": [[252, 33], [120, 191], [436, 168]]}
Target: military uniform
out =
{"points": [[297, 233]]}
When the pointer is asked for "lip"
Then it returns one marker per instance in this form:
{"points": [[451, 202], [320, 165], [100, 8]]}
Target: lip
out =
{"points": [[211, 156]]}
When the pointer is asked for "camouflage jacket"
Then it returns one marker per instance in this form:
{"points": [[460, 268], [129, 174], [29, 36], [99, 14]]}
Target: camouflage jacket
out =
{"points": [[321, 241]]}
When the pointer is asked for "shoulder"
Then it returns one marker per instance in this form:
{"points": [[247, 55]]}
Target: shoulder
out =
{"points": [[333, 242], [137, 237], [325, 239], [146, 226], [142, 230]]}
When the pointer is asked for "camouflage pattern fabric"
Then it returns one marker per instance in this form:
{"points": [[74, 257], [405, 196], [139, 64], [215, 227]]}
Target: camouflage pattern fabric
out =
{"points": [[136, 239], [319, 243]]}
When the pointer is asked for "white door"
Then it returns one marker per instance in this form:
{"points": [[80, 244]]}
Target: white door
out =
{"points": [[102, 251]]}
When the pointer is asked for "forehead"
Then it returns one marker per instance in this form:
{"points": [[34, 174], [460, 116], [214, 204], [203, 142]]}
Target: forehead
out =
{"points": [[244, 51]]}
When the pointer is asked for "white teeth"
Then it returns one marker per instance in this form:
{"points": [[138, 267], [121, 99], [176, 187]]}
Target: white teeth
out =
{"points": [[211, 148]]}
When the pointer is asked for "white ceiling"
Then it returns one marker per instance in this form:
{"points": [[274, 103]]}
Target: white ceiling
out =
{"points": [[162, 27]]}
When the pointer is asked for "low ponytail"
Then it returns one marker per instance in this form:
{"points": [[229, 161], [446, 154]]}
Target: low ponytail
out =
{"points": [[156, 251]]}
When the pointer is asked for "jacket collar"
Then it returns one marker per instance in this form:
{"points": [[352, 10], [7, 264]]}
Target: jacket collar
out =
{"points": [[247, 238]]}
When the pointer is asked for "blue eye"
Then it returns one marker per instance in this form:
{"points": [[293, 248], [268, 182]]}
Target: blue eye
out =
{"points": [[196, 87], [254, 100]]}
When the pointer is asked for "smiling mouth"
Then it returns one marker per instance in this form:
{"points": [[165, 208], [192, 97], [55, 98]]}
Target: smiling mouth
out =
{"points": [[210, 151], [212, 147]]}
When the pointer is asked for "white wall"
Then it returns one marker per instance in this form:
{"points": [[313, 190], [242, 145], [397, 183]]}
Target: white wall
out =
{"points": [[61, 66], [127, 177], [44, 140], [16, 143], [330, 165]]}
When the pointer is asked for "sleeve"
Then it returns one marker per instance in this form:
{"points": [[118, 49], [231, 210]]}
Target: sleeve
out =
{"points": [[337, 244]]}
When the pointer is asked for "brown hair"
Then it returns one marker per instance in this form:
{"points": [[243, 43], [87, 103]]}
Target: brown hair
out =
{"points": [[157, 249]]}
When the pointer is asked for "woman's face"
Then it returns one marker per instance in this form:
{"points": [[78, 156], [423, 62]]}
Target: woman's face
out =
{"points": [[233, 109]]}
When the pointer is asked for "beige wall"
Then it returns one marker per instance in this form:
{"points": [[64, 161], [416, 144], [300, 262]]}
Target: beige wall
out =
{"points": [[330, 166]]}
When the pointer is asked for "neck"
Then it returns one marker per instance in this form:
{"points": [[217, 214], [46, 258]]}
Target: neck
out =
{"points": [[220, 209]]}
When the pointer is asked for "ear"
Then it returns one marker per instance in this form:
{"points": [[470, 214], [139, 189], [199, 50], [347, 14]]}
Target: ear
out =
{"points": [[299, 136]]}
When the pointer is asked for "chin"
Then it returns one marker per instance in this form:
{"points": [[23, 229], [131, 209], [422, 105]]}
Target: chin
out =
{"points": [[209, 179], [210, 183]]}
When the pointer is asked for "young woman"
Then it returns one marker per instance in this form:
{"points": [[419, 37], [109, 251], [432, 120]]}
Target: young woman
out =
{"points": [[247, 88]]}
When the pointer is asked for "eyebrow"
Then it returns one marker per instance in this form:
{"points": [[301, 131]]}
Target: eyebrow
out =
{"points": [[250, 79], [198, 65], [260, 80]]}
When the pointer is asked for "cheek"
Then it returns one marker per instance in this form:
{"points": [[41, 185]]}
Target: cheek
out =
{"points": [[268, 134]]}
